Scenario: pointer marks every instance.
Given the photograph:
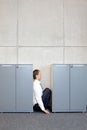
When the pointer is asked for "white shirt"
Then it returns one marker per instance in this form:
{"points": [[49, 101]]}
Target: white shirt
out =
{"points": [[37, 94]]}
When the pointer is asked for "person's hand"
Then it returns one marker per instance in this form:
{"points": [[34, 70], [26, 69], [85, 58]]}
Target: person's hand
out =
{"points": [[46, 111]]}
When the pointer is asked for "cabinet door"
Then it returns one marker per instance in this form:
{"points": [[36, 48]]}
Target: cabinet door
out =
{"points": [[60, 96], [7, 88], [78, 87], [24, 88]]}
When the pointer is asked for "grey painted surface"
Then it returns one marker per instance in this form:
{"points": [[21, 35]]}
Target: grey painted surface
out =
{"points": [[16, 88], [24, 88], [78, 87], [60, 88], [7, 88], [69, 88]]}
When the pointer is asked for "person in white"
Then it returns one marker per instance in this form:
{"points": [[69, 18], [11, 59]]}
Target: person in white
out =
{"points": [[41, 99]]}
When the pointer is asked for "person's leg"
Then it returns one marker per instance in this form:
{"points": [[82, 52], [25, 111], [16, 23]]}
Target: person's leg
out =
{"points": [[36, 108], [47, 99]]}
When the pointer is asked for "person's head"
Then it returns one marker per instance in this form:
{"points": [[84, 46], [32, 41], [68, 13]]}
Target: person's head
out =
{"points": [[37, 74]]}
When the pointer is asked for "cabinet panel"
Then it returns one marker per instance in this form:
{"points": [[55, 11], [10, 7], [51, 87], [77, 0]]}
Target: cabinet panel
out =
{"points": [[7, 88], [24, 89], [60, 97], [78, 87]]}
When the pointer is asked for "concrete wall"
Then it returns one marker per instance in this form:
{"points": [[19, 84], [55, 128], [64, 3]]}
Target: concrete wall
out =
{"points": [[43, 32]]}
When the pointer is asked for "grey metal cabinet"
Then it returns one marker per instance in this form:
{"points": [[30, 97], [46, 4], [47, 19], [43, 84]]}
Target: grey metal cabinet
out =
{"points": [[7, 88], [78, 87], [69, 85], [16, 88], [60, 89], [24, 89]]}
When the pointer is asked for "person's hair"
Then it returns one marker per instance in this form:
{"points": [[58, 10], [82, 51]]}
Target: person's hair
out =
{"points": [[35, 72]]}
